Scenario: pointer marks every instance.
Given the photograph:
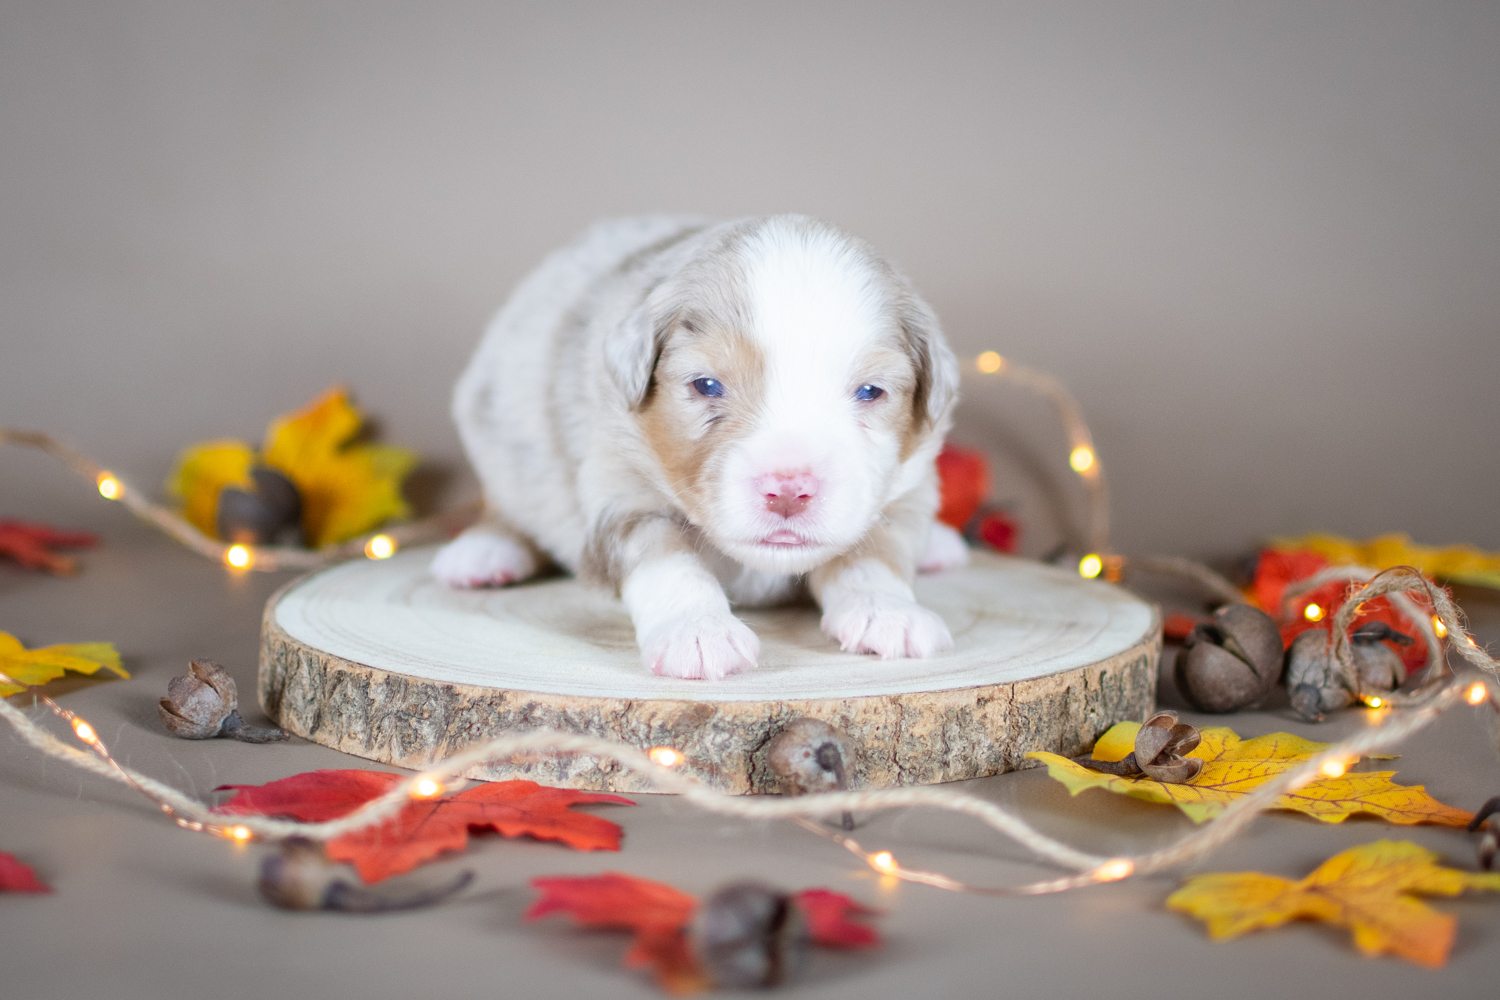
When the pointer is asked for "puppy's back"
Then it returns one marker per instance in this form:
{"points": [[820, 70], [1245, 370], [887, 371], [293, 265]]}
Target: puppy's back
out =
{"points": [[524, 406]]}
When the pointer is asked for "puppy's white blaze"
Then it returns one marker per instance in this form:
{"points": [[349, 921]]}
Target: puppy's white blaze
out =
{"points": [[816, 308]]}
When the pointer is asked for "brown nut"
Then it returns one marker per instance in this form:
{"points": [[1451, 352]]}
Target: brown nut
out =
{"points": [[1232, 662], [203, 703], [810, 756], [300, 876], [198, 702], [751, 934], [1486, 823], [270, 512], [1161, 748]]}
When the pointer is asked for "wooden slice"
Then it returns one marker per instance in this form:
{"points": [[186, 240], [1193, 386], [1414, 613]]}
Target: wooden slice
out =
{"points": [[379, 660]]}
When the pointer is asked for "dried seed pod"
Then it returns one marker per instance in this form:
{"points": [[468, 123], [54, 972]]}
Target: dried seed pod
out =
{"points": [[1161, 748], [300, 877], [269, 512], [751, 934], [1232, 662], [811, 756], [203, 703], [1486, 823], [1316, 684]]}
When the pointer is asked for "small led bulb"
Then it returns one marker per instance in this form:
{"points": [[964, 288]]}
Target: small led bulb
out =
{"points": [[109, 486], [883, 862], [989, 362], [380, 547], [1090, 566], [1438, 628], [237, 556], [1081, 459], [1477, 693], [1313, 613], [665, 756]]}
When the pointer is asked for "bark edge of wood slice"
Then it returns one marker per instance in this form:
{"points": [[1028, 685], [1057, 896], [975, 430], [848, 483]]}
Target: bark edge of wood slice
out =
{"points": [[981, 717]]}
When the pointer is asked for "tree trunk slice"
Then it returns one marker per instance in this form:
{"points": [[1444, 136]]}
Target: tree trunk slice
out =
{"points": [[379, 660]]}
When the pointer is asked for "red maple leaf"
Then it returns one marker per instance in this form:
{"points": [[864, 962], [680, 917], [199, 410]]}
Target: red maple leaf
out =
{"points": [[963, 480], [28, 543], [828, 914], [655, 911], [16, 877], [426, 828], [659, 914]]}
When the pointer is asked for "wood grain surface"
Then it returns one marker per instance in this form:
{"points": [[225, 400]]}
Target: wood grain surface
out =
{"points": [[378, 660]]}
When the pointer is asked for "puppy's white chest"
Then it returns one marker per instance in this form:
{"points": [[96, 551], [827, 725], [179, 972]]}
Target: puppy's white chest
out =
{"points": [[752, 588]]}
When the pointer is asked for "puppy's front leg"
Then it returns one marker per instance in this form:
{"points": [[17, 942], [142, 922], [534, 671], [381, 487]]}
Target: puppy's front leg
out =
{"points": [[869, 607], [682, 620]]}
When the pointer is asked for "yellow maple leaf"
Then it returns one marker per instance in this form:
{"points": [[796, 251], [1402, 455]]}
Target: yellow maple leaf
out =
{"points": [[1462, 563], [346, 488], [1370, 889], [38, 666], [201, 471], [1233, 767]]}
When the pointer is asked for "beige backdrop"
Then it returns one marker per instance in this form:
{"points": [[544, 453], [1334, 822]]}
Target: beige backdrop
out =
{"points": [[1261, 242]]}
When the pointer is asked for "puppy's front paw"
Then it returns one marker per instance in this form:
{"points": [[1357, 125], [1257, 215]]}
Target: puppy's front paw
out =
{"points": [[483, 559], [887, 626], [946, 549], [701, 647]]}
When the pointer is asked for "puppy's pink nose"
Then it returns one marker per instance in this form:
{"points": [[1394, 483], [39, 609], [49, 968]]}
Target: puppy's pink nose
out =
{"points": [[788, 495]]}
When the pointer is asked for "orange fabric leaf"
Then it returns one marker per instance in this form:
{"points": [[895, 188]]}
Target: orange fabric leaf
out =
{"points": [[426, 828]]}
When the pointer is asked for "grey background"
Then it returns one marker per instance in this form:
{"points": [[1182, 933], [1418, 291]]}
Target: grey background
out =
{"points": [[1261, 242], [1258, 240]]}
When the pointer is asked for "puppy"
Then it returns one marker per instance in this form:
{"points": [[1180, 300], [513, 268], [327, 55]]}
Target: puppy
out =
{"points": [[702, 415]]}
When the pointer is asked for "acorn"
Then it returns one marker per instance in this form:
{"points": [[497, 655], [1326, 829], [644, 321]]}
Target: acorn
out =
{"points": [[1232, 662], [1486, 823], [1314, 681], [300, 877], [270, 512], [810, 756], [751, 934], [204, 703], [1161, 748]]}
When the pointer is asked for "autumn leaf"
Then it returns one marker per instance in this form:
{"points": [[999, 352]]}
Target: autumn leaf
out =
{"points": [[1233, 767], [201, 471], [963, 481], [30, 544], [659, 915], [1460, 563], [426, 828], [346, 488], [18, 877], [828, 914], [1370, 889], [30, 667]]}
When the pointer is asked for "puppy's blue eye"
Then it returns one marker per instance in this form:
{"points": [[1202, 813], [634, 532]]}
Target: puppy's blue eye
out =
{"points": [[708, 386], [865, 393]]}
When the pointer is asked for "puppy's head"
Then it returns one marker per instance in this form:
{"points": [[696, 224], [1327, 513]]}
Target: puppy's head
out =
{"points": [[789, 385]]}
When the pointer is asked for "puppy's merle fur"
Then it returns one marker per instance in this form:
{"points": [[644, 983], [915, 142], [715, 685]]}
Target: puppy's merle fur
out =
{"points": [[703, 414]]}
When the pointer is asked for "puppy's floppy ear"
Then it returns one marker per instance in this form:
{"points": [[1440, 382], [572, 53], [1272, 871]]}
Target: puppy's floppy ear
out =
{"points": [[632, 348], [937, 368]]}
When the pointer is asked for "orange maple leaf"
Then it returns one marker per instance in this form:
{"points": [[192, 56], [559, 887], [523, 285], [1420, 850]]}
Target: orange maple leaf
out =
{"points": [[1371, 889], [426, 828], [1233, 767]]}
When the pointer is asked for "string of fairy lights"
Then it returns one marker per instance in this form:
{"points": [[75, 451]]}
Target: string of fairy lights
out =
{"points": [[661, 764]]}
